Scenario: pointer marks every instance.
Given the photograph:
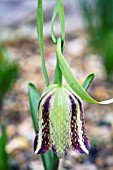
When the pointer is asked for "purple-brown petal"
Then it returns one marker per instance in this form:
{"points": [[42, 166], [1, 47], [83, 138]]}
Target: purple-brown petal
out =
{"points": [[79, 145], [44, 131]]}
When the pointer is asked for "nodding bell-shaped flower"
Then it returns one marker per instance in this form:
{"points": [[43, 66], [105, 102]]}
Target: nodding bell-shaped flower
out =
{"points": [[60, 122]]}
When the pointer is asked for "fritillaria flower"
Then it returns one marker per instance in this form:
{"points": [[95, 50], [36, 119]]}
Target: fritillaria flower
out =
{"points": [[60, 122]]}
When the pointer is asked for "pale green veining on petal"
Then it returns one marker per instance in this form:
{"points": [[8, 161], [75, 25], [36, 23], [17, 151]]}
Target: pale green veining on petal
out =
{"points": [[60, 118], [40, 121], [79, 124]]}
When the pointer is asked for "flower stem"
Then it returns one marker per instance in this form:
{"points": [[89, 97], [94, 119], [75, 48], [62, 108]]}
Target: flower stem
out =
{"points": [[55, 163], [58, 73]]}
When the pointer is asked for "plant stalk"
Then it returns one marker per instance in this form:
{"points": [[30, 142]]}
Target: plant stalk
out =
{"points": [[55, 163]]}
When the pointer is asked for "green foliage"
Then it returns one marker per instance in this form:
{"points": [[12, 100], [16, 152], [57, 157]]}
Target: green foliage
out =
{"points": [[98, 18], [71, 79], [49, 159], [4, 164], [8, 73], [88, 81], [108, 55], [34, 97], [40, 38], [58, 9]]}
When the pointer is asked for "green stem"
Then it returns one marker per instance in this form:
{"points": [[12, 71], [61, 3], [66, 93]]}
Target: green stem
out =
{"points": [[40, 38], [55, 163], [58, 73]]}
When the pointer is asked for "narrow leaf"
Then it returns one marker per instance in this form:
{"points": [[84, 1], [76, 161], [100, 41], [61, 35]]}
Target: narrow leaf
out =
{"points": [[40, 38], [88, 81], [71, 79], [4, 164], [34, 97], [62, 21]]}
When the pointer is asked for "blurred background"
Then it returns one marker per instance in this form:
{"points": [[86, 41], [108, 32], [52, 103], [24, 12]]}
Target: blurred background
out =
{"points": [[88, 49]]}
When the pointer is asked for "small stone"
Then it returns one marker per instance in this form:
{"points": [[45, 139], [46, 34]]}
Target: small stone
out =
{"points": [[26, 130], [11, 130], [100, 162], [85, 167], [102, 134], [68, 165], [17, 143], [110, 168], [34, 165], [109, 160]]}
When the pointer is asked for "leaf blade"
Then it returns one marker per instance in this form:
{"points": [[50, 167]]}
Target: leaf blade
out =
{"points": [[62, 21], [60, 10], [4, 164], [88, 81], [34, 97], [40, 38], [71, 79]]}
